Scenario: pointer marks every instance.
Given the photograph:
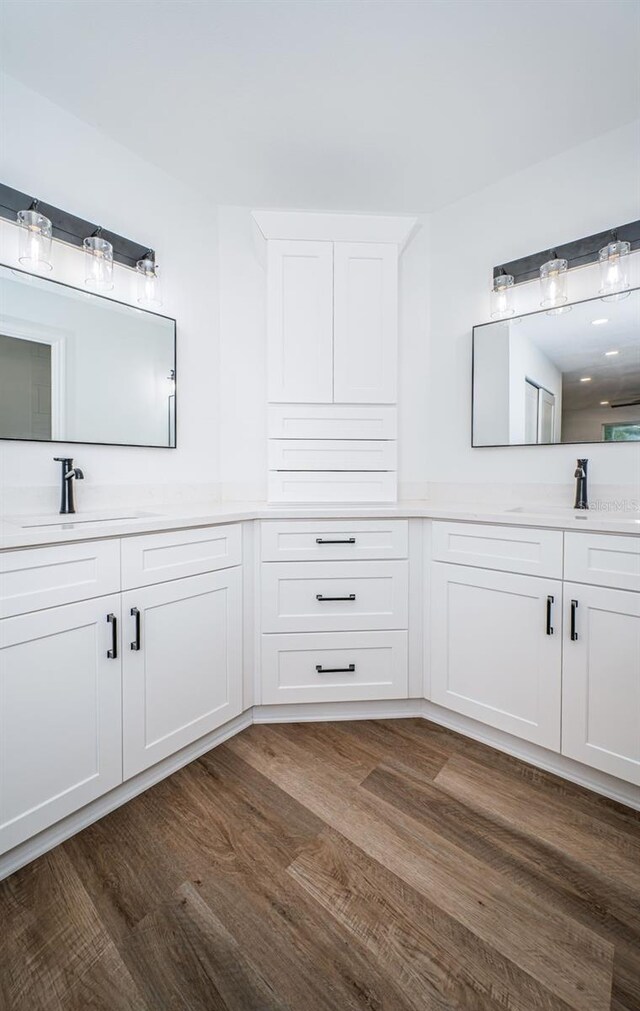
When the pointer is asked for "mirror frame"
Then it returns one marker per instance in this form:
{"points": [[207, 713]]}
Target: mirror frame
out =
{"points": [[128, 305], [532, 445]]}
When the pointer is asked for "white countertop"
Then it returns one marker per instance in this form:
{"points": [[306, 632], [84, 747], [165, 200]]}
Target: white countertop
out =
{"points": [[28, 531]]}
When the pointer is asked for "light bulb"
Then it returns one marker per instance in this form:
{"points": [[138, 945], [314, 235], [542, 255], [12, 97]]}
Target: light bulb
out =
{"points": [[34, 247], [553, 285], [501, 294], [149, 293], [614, 270], [98, 262]]}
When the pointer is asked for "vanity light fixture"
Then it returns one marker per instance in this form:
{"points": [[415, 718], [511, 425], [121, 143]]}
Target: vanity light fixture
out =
{"points": [[501, 296], [149, 293], [34, 245], [599, 322], [553, 284], [98, 262], [614, 269]]}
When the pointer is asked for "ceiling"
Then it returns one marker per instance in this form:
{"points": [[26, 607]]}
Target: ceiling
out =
{"points": [[385, 105]]}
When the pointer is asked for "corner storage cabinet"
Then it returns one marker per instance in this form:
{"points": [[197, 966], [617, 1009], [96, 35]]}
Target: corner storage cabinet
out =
{"points": [[96, 690], [332, 330], [334, 605]]}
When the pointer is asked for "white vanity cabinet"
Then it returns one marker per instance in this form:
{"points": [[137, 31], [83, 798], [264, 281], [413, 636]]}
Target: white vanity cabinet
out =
{"points": [[60, 713], [496, 643], [601, 662], [96, 690], [181, 664]]}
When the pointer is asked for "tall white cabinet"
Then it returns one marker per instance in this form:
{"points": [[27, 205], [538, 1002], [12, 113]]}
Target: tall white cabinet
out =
{"points": [[332, 331]]}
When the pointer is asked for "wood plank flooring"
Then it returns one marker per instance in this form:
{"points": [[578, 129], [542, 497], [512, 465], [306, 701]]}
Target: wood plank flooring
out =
{"points": [[374, 866]]}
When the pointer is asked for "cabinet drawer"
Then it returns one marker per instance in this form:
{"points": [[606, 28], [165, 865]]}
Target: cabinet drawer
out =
{"points": [[334, 596], [334, 667], [35, 578], [331, 421], [155, 558], [331, 454], [509, 549], [322, 540], [332, 486], [602, 559]]}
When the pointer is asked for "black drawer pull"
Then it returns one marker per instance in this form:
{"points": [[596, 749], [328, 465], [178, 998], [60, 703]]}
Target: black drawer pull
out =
{"points": [[574, 608], [319, 596], [335, 670], [348, 540], [112, 654], [137, 642], [550, 601]]}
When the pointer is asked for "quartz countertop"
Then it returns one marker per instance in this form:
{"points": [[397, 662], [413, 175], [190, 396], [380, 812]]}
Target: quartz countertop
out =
{"points": [[31, 530]]}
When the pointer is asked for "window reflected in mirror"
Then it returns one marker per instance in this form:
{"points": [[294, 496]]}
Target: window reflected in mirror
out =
{"points": [[568, 377]]}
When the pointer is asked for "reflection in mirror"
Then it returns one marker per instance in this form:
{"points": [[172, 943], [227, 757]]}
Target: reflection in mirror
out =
{"points": [[571, 377], [78, 367]]}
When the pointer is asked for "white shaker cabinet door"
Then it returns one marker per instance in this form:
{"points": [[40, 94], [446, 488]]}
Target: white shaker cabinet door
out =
{"points": [[60, 717], [182, 664], [601, 679], [365, 323], [496, 647], [300, 321]]}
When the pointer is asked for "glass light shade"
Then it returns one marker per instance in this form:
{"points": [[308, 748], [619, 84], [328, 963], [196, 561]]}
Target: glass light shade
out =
{"points": [[553, 283], [149, 292], [614, 270], [34, 246], [98, 263], [501, 297]]}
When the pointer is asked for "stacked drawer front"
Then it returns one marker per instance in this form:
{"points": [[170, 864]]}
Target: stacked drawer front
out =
{"points": [[334, 610], [332, 453]]}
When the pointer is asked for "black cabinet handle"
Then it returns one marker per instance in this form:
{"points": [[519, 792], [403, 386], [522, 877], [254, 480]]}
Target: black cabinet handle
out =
{"points": [[320, 596], [574, 608], [335, 670], [112, 654], [348, 540], [137, 642], [550, 602]]}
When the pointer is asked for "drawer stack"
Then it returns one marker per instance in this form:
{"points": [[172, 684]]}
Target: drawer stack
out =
{"points": [[335, 596], [332, 453]]}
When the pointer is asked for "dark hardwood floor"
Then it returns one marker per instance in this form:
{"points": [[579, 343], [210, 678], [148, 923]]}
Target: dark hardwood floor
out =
{"points": [[379, 866]]}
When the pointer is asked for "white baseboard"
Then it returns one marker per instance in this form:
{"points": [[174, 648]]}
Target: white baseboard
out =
{"points": [[566, 768]]}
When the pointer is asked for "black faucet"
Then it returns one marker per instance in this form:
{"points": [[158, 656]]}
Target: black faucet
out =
{"points": [[69, 475], [581, 502]]}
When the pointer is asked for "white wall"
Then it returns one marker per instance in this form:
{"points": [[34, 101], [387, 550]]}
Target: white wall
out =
{"points": [[587, 189], [49, 152]]}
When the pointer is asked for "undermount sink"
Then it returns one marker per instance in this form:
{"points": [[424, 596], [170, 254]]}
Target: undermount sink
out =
{"points": [[75, 519], [612, 515]]}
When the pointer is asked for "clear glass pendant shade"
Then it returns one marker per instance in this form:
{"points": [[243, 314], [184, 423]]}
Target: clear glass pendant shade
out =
{"points": [[502, 297], [98, 263], [149, 292], [614, 270], [553, 284], [34, 241]]}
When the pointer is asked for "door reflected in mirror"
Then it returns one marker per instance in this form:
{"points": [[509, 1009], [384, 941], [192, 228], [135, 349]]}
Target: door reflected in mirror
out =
{"points": [[80, 367], [568, 377]]}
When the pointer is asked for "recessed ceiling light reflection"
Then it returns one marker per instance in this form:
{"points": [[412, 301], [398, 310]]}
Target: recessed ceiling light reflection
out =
{"points": [[599, 322], [608, 354], [603, 403], [585, 379]]}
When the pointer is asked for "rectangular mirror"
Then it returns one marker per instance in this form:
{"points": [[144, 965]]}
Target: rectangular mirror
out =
{"points": [[569, 376], [79, 367]]}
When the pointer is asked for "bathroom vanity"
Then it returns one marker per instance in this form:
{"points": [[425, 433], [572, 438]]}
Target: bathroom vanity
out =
{"points": [[131, 646]]}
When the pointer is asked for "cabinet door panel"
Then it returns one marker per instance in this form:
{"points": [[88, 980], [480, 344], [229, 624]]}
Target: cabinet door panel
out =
{"points": [[60, 719], [300, 321], [492, 658], [365, 322], [601, 680], [186, 678]]}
